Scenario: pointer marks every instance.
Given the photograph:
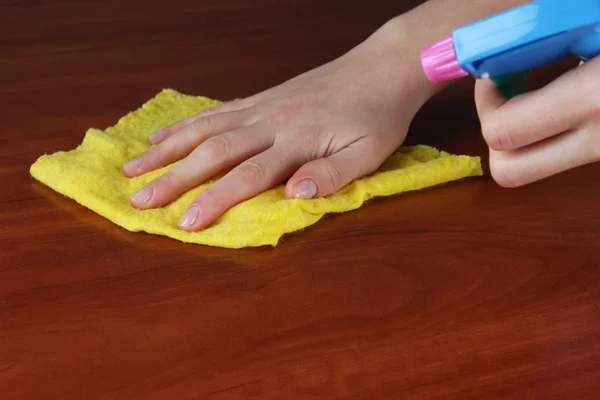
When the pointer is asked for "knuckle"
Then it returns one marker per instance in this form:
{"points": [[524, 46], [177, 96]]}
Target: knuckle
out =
{"points": [[334, 174], [173, 128], [497, 135], [203, 125], [216, 148], [153, 157], [251, 172], [208, 111], [169, 179], [163, 153], [163, 186], [176, 126], [206, 200], [211, 201]]}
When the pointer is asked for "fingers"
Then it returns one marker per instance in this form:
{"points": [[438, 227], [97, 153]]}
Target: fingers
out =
{"points": [[541, 133], [178, 146], [229, 107], [210, 158], [325, 176], [526, 119], [249, 179], [488, 98], [544, 159]]}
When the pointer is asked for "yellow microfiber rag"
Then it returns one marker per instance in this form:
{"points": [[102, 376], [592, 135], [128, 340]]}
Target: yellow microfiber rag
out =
{"points": [[91, 175]]}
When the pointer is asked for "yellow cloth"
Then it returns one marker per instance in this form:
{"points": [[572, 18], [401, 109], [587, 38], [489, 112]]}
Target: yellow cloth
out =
{"points": [[91, 175]]}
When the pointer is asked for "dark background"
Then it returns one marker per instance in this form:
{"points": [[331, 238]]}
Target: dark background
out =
{"points": [[462, 291]]}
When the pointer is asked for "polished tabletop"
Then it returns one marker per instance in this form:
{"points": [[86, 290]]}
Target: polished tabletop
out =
{"points": [[462, 291]]}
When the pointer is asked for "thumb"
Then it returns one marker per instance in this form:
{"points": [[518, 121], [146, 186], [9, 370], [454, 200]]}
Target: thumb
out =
{"points": [[325, 176], [488, 98]]}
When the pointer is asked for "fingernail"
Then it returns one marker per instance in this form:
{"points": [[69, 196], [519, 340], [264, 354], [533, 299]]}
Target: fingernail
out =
{"points": [[135, 163], [305, 189], [142, 196], [189, 217]]}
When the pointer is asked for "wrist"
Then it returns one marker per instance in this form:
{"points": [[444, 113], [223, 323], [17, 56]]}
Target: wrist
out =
{"points": [[396, 60], [402, 39]]}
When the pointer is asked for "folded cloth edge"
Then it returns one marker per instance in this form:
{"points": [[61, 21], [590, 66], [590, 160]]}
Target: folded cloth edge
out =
{"points": [[366, 188]]}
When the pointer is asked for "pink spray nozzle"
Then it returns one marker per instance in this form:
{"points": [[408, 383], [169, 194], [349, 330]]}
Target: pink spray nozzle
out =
{"points": [[440, 63]]}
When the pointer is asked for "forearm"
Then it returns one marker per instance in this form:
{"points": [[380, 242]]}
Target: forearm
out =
{"points": [[407, 35]]}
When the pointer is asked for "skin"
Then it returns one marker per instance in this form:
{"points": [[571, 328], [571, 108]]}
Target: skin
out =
{"points": [[562, 134], [316, 132]]}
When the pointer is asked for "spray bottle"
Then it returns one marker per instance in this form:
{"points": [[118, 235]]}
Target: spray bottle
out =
{"points": [[507, 46]]}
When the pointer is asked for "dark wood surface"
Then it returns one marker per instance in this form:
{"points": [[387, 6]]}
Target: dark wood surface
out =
{"points": [[467, 291]]}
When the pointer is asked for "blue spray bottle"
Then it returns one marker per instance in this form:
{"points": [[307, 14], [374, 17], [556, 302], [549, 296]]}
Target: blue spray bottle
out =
{"points": [[507, 46]]}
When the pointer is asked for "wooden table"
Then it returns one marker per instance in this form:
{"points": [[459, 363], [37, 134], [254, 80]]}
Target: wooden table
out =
{"points": [[462, 291]]}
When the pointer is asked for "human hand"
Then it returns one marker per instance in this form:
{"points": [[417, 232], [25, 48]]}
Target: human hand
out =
{"points": [[319, 131], [544, 132]]}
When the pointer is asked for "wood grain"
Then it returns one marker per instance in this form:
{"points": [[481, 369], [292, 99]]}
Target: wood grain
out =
{"points": [[466, 291]]}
